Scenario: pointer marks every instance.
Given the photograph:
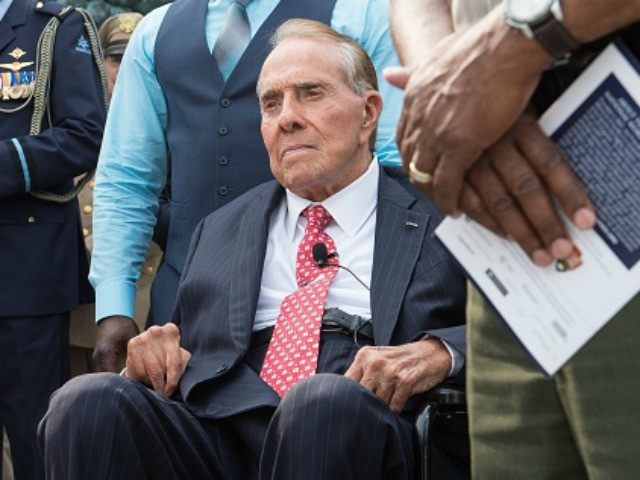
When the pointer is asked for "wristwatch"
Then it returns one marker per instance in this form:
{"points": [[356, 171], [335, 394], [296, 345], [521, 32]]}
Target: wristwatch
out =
{"points": [[542, 20]]}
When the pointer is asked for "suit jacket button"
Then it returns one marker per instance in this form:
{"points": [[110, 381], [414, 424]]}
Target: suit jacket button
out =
{"points": [[31, 219], [222, 160], [225, 102], [223, 130], [223, 190], [222, 368]]}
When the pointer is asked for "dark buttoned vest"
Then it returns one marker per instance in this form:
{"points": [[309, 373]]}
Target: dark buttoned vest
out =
{"points": [[213, 127]]}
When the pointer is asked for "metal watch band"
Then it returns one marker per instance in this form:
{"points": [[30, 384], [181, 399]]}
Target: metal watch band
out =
{"points": [[555, 38]]}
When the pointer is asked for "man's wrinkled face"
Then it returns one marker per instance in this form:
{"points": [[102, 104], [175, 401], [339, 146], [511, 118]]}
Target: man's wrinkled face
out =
{"points": [[315, 128], [111, 67]]}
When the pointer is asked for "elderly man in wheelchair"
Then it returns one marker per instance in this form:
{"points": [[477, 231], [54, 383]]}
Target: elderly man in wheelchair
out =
{"points": [[314, 315]]}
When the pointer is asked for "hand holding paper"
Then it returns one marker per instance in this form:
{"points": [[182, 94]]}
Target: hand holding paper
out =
{"points": [[555, 310]]}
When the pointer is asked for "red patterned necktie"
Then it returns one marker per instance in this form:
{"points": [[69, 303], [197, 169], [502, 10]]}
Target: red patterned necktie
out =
{"points": [[293, 350]]}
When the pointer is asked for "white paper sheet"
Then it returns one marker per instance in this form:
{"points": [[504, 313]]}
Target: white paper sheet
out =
{"points": [[554, 313]]}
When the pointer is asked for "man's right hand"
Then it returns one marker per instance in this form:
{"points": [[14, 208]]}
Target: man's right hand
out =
{"points": [[111, 342], [511, 190], [155, 358]]}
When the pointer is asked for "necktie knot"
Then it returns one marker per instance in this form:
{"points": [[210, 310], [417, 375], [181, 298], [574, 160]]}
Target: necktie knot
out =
{"points": [[233, 39], [317, 216]]}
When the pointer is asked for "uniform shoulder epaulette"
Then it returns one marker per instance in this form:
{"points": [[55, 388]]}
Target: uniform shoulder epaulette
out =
{"points": [[53, 9]]}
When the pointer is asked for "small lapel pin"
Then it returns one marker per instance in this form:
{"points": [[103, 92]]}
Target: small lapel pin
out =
{"points": [[410, 224]]}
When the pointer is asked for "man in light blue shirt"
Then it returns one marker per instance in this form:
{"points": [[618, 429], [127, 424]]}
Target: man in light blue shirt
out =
{"points": [[173, 101]]}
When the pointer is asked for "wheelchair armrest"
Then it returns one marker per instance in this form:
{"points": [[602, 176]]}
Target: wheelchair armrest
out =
{"points": [[437, 402], [445, 396]]}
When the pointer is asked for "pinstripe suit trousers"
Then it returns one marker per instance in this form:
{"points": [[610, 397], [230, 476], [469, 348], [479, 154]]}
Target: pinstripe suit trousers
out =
{"points": [[104, 426]]}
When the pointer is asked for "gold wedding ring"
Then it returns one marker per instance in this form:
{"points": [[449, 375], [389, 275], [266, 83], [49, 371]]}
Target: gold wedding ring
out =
{"points": [[418, 175]]}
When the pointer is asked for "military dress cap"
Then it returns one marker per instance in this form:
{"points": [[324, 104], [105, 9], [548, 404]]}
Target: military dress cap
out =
{"points": [[116, 32]]}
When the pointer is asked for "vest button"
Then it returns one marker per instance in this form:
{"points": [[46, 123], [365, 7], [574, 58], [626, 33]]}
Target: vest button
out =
{"points": [[223, 190], [225, 102], [222, 160], [223, 130]]}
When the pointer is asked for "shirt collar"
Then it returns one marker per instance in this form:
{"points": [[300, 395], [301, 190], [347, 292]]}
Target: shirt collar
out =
{"points": [[4, 7], [350, 207]]}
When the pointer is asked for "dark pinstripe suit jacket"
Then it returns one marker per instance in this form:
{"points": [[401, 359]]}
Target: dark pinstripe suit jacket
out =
{"points": [[415, 287]]}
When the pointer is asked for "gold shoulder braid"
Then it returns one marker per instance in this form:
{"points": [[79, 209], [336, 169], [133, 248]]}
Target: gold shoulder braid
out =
{"points": [[41, 100]]}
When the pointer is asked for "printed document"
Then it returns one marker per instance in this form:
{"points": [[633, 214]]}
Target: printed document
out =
{"points": [[554, 311]]}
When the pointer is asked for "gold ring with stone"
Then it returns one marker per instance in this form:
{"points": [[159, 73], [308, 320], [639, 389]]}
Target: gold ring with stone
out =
{"points": [[418, 175]]}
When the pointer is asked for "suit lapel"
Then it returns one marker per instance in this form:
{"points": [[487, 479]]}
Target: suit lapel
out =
{"points": [[15, 17], [400, 234], [248, 261]]}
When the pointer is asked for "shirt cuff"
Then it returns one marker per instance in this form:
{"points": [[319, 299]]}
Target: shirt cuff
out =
{"points": [[23, 163], [457, 359], [115, 297]]}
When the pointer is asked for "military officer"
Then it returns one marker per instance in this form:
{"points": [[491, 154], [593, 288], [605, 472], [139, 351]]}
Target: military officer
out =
{"points": [[115, 33], [48, 136]]}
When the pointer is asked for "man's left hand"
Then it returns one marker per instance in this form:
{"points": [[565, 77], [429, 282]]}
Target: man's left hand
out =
{"points": [[461, 99], [396, 373]]}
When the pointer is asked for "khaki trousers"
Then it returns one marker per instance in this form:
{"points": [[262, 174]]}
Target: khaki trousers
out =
{"points": [[583, 423]]}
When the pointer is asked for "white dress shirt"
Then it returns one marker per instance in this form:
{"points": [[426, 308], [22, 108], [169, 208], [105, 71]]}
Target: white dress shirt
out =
{"points": [[353, 226]]}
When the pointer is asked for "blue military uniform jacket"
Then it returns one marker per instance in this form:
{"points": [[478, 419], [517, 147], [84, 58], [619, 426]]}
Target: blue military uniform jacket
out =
{"points": [[43, 264]]}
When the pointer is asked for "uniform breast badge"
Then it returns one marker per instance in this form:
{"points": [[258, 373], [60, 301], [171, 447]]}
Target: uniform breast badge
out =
{"points": [[17, 83], [83, 45]]}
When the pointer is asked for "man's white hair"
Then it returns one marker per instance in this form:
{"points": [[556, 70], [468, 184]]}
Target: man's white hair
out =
{"points": [[360, 74]]}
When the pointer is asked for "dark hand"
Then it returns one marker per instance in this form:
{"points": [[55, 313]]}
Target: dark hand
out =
{"points": [[111, 342], [396, 373], [155, 358], [462, 99], [511, 188]]}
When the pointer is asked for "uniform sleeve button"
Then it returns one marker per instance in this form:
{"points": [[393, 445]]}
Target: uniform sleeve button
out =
{"points": [[85, 232], [87, 209]]}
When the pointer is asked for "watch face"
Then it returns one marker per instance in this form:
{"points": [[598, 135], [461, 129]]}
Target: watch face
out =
{"points": [[528, 11]]}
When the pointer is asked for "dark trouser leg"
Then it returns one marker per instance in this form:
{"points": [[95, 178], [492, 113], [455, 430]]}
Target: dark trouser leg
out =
{"points": [[329, 427], [104, 426], [34, 360]]}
